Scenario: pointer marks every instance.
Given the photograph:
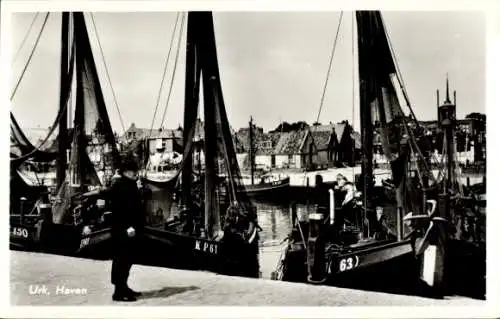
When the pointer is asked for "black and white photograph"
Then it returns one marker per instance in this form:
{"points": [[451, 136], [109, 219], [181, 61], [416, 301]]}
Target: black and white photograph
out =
{"points": [[247, 158]]}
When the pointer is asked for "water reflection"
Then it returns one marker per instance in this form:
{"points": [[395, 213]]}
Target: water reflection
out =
{"points": [[273, 217]]}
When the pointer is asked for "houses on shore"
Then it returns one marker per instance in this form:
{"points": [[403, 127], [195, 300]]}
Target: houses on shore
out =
{"points": [[309, 147]]}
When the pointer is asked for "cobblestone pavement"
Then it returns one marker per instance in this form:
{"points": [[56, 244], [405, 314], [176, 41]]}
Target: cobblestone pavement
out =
{"points": [[40, 279]]}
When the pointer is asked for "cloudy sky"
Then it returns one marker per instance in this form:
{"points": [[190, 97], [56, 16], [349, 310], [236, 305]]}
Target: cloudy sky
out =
{"points": [[273, 64]]}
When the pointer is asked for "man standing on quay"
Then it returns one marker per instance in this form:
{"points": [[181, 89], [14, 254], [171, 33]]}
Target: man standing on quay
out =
{"points": [[127, 225]]}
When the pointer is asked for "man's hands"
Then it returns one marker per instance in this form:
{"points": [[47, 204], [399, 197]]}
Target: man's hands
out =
{"points": [[131, 232]]}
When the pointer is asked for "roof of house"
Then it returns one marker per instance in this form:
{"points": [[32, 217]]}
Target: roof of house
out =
{"points": [[322, 139], [291, 142], [266, 143], [167, 133], [340, 130], [322, 128], [263, 143]]}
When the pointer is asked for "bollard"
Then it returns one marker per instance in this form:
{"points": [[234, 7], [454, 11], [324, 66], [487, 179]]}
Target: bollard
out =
{"points": [[21, 216], [315, 249], [315, 220]]}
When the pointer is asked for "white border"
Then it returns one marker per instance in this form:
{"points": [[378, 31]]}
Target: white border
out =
{"points": [[493, 103]]}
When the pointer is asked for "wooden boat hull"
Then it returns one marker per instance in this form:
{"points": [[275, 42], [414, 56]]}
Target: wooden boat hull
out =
{"points": [[228, 256], [160, 184], [386, 267], [24, 235], [69, 240], [270, 188]]}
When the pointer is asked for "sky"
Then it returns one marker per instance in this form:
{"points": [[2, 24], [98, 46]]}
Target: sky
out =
{"points": [[273, 65]]}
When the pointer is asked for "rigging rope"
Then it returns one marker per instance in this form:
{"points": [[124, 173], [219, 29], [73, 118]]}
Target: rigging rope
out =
{"points": [[173, 71], [30, 56], [399, 75], [59, 115], [330, 66], [164, 73], [402, 86], [25, 38], [107, 72], [326, 80]]}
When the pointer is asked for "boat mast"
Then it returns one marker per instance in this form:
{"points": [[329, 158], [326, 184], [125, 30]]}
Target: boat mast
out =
{"points": [[63, 86], [365, 121], [210, 81], [251, 151]]}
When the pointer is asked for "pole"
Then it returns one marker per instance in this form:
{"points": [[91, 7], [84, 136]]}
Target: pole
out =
{"points": [[63, 87], [251, 151]]}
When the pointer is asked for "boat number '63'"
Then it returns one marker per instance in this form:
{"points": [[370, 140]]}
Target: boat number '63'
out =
{"points": [[348, 263], [206, 247], [20, 232]]}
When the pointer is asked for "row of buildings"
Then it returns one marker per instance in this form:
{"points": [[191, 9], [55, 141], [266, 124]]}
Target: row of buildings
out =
{"points": [[315, 146], [322, 145]]}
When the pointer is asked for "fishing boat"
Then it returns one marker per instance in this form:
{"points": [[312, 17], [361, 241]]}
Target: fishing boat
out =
{"points": [[266, 184], [354, 244], [26, 196], [161, 170], [75, 220], [262, 183], [217, 228]]}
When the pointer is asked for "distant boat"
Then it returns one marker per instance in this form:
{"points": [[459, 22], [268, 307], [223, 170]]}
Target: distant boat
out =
{"points": [[266, 184], [162, 169], [260, 182]]}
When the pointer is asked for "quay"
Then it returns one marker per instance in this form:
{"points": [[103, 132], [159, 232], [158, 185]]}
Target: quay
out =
{"points": [[41, 279]]}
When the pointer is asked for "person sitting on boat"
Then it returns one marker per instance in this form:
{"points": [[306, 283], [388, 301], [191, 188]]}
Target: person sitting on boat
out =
{"points": [[347, 190], [127, 221], [344, 199]]}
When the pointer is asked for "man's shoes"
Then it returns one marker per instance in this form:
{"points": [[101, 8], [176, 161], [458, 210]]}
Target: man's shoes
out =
{"points": [[133, 293], [124, 297]]}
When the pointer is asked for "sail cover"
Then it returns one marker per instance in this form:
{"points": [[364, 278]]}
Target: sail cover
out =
{"points": [[222, 173], [379, 101], [22, 149], [94, 154]]}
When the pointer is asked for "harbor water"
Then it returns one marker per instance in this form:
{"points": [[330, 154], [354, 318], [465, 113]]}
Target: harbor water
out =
{"points": [[274, 217]]}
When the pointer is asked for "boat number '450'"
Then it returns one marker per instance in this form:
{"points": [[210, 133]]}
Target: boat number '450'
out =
{"points": [[20, 232], [206, 247], [348, 263]]}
